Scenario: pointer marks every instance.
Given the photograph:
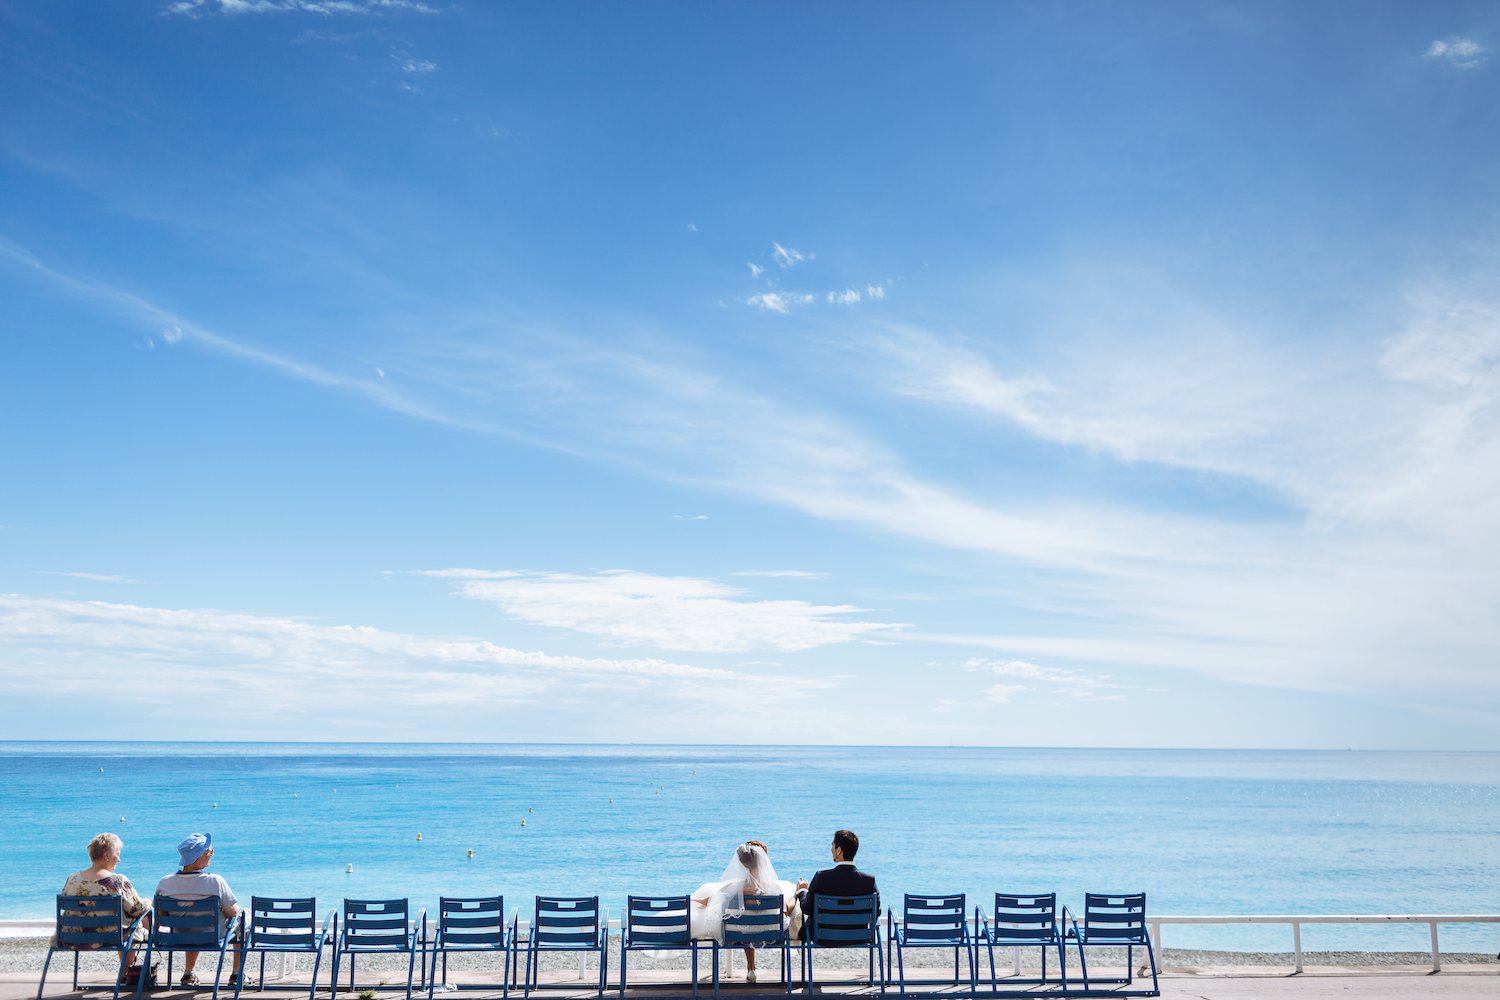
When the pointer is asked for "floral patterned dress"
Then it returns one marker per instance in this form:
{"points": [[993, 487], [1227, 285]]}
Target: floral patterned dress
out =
{"points": [[110, 885]]}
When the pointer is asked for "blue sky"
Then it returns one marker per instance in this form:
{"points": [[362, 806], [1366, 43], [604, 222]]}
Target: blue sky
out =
{"points": [[1020, 374]]}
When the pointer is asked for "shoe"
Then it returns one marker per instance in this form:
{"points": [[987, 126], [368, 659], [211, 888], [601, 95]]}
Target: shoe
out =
{"points": [[234, 980], [750, 976], [188, 979]]}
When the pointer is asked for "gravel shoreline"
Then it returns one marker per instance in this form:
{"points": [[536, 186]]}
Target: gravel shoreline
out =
{"points": [[28, 954]]}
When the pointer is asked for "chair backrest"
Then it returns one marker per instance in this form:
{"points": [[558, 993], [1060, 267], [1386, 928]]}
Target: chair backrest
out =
{"points": [[657, 921], [761, 922], [1036, 917], [566, 922], [282, 923], [375, 924], [473, 922], [1118, 917], [179, 924], [930, 919], [845, 921], [90, 922]]}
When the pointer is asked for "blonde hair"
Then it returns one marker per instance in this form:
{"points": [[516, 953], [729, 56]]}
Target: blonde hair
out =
{"points": [[103, 846]]}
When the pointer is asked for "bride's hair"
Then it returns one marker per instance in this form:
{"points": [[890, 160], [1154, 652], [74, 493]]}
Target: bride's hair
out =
{"points": [[746, 854]]}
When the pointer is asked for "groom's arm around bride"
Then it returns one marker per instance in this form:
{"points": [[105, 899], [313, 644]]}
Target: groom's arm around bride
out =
{"points": [[843, 879]]}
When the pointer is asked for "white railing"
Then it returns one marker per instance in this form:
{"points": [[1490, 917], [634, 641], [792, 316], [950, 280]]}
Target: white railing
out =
{"points": [[1299, 919]]}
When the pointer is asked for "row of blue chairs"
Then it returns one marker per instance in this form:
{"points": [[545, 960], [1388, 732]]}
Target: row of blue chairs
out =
{"points": [[579, 924]]}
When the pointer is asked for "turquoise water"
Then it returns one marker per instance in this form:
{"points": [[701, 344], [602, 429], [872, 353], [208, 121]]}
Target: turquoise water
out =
{"points": [[1218, 832]]}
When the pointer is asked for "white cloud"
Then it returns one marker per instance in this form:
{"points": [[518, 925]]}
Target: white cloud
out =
{"points": [[1460, 52], [1000, 693], [678, 613], [1073, 683], [788, 257], [779, 301], [690, 517], [1381, 454], [847, 297], [755, 270], [779, 572], [197, 8], [286, 669], [772, 301], [875, 291], [102, 577], [409, 65]]}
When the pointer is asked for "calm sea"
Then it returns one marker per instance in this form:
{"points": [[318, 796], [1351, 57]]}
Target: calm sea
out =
{"points": [[1222, 832]]}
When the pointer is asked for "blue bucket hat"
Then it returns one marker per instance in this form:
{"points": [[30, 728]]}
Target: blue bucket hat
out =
{"points": [[193, 847]]}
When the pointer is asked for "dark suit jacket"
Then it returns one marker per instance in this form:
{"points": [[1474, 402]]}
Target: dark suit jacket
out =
{"points": [[842, 880]]}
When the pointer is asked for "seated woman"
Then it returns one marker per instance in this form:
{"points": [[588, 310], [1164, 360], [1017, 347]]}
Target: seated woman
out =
{"points": [[749, 874], [101, 879]]}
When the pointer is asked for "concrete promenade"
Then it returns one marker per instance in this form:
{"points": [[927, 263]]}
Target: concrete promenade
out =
{"points": [[1218, 983]]}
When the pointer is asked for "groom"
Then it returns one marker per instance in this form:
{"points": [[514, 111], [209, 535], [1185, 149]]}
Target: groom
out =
{"points": [[843, 879]]}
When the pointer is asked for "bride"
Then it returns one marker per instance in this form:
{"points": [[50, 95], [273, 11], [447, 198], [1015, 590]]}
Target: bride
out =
{"points": [[749, 874]]}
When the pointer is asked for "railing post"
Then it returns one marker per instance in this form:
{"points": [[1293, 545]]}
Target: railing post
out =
{"points": [[1015, 960], [1156, 933], [1297, 943], [1435, 966]]}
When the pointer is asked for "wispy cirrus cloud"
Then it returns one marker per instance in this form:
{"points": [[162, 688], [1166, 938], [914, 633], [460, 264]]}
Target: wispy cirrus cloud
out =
{"points": [[789, 257], [678, 613], [781, 302], [802, 574], [1073, 683], [197, 8], [101, 577], [280, 671]]}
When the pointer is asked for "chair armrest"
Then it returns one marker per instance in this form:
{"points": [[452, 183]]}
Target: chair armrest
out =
{"points": [[323, 934], [129, 935], [1068, 917], [980, 920]]}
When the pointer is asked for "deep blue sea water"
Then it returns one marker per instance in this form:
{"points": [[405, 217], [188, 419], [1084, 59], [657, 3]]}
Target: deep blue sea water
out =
{"points": [[1200, 831]]}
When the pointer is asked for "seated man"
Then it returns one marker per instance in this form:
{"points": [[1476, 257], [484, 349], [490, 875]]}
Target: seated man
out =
{"points": [[194, 881], [843, 879]]}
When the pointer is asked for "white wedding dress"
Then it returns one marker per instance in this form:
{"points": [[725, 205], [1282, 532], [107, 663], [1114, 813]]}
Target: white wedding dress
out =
{"points": [[749, 874]]}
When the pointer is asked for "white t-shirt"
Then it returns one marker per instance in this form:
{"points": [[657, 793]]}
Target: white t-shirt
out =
{"points": [[197, 885]]}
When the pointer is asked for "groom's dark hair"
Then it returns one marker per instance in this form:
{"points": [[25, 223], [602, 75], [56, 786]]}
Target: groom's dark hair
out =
{"points": [[848, 842]]}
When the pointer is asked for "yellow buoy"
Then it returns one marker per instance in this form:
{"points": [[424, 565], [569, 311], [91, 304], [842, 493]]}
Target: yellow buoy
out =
{"points": [[523, 822], [294, 795], [611, 798], [419, 836], [471, 854], [528, 809]]}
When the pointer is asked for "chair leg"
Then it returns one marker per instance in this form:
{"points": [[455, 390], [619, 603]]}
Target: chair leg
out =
{"points": [[43, 984], [312, 992]]}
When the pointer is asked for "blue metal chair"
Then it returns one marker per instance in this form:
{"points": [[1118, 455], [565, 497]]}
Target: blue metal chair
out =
{"points": [[1113, 920], [471, 925], [380, 926], [286, 927], [91, 923], [657, 923], [932, 922], [567, 923], [1023, 922], [761, 924], [844, 922], [188, 925]]}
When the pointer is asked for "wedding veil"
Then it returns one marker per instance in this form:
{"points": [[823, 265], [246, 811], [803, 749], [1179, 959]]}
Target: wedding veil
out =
{"points": [[749, 872]]}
